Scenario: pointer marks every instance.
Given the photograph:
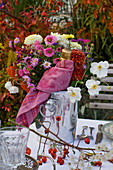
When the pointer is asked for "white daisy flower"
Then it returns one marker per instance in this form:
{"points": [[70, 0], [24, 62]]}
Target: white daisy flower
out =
{"points": [[93, 88], [74, 94], [8, 84], [100, 69], [13, 89]]}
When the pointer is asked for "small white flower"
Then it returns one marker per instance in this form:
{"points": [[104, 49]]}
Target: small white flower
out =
{"points": [[8, 85], [13, 89], [98, 147], [81, 164], [76, 46], [74, 94], [107, 156], [100, 69], [93, 88]]}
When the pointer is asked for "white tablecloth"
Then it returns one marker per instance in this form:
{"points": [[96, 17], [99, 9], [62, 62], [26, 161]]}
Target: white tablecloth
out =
{"points": [[33, 144]]}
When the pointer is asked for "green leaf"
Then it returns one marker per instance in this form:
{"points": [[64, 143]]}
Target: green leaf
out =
{"points": [[39, 117]]}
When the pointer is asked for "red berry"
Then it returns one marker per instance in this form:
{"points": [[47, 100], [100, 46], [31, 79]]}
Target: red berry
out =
{"points": [[87, 141], [39, 162], [58, 118], [54, 150], [59, 159], [28, 151], [50, 149], [54, 156], [44, 159], [62, 162], [46, 131], [95, 163]]}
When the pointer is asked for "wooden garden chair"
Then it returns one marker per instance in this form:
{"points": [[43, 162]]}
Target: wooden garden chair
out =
{"points": [[105, 99]]}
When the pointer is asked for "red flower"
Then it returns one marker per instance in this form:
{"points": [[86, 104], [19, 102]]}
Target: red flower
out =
{"points": [[78, 57], [58, 118]]}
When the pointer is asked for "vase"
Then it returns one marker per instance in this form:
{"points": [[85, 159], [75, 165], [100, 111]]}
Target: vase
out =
{"points": [[59, 106]]}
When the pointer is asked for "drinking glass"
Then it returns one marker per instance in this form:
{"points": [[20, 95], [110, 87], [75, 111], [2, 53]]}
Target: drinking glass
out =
{"points": [[13, 142]]}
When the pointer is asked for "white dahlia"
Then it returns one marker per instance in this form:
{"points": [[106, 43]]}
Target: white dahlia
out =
{"points": [[32, 38]]}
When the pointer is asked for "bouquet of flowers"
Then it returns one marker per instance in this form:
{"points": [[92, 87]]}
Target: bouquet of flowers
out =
{"points": [[39, 54]]}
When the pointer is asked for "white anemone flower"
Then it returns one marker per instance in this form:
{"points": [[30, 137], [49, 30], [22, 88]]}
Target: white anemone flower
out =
{"points": [[74, 94], [93, 88], [13, 89], [8, 84], [29, 40], [100, 69]]}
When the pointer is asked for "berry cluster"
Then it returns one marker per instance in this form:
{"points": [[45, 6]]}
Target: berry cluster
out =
{"points": [[60, 159], [42, 159], [97, 163]]}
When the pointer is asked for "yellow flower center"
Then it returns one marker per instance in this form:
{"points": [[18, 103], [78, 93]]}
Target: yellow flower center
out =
{"points": [[94, 86], [33, 61], [16, 39], [73, 94], [99, 67], [31, 86], [26, 79], [46, 64]]}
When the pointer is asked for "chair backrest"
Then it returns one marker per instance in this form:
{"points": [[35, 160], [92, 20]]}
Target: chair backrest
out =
{"points": [[105, 99]]}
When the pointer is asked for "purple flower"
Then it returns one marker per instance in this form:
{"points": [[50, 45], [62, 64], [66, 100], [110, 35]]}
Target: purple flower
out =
{"points": [[50, 40], [56, 60], [73, 40], [27, 59], [48, 52], [34, 62], [80, 39], [26, 70], [59, 49], [10, 44], [26, 79], [16, 40], [31, 86]]}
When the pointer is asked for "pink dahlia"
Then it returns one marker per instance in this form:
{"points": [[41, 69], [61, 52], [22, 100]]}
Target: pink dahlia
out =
{"points": [[56, 60], [36, 43], [50, 39], [26, 70], [21, 72], [48, 52], [58, 49], [39, 48]]}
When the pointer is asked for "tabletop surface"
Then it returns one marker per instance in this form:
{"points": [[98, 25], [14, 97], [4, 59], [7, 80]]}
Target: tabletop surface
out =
{"points": [[33, 144]]}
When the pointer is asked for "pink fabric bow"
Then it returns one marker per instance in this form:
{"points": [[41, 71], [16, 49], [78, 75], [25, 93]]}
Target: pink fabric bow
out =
{"points": [[55, 79]]}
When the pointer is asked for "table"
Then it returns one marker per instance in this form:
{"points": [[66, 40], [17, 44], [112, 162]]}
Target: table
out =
{"points": [[33, 144]]}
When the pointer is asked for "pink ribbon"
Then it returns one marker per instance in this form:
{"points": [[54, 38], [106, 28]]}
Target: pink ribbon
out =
{"points": [[55, 79]]}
